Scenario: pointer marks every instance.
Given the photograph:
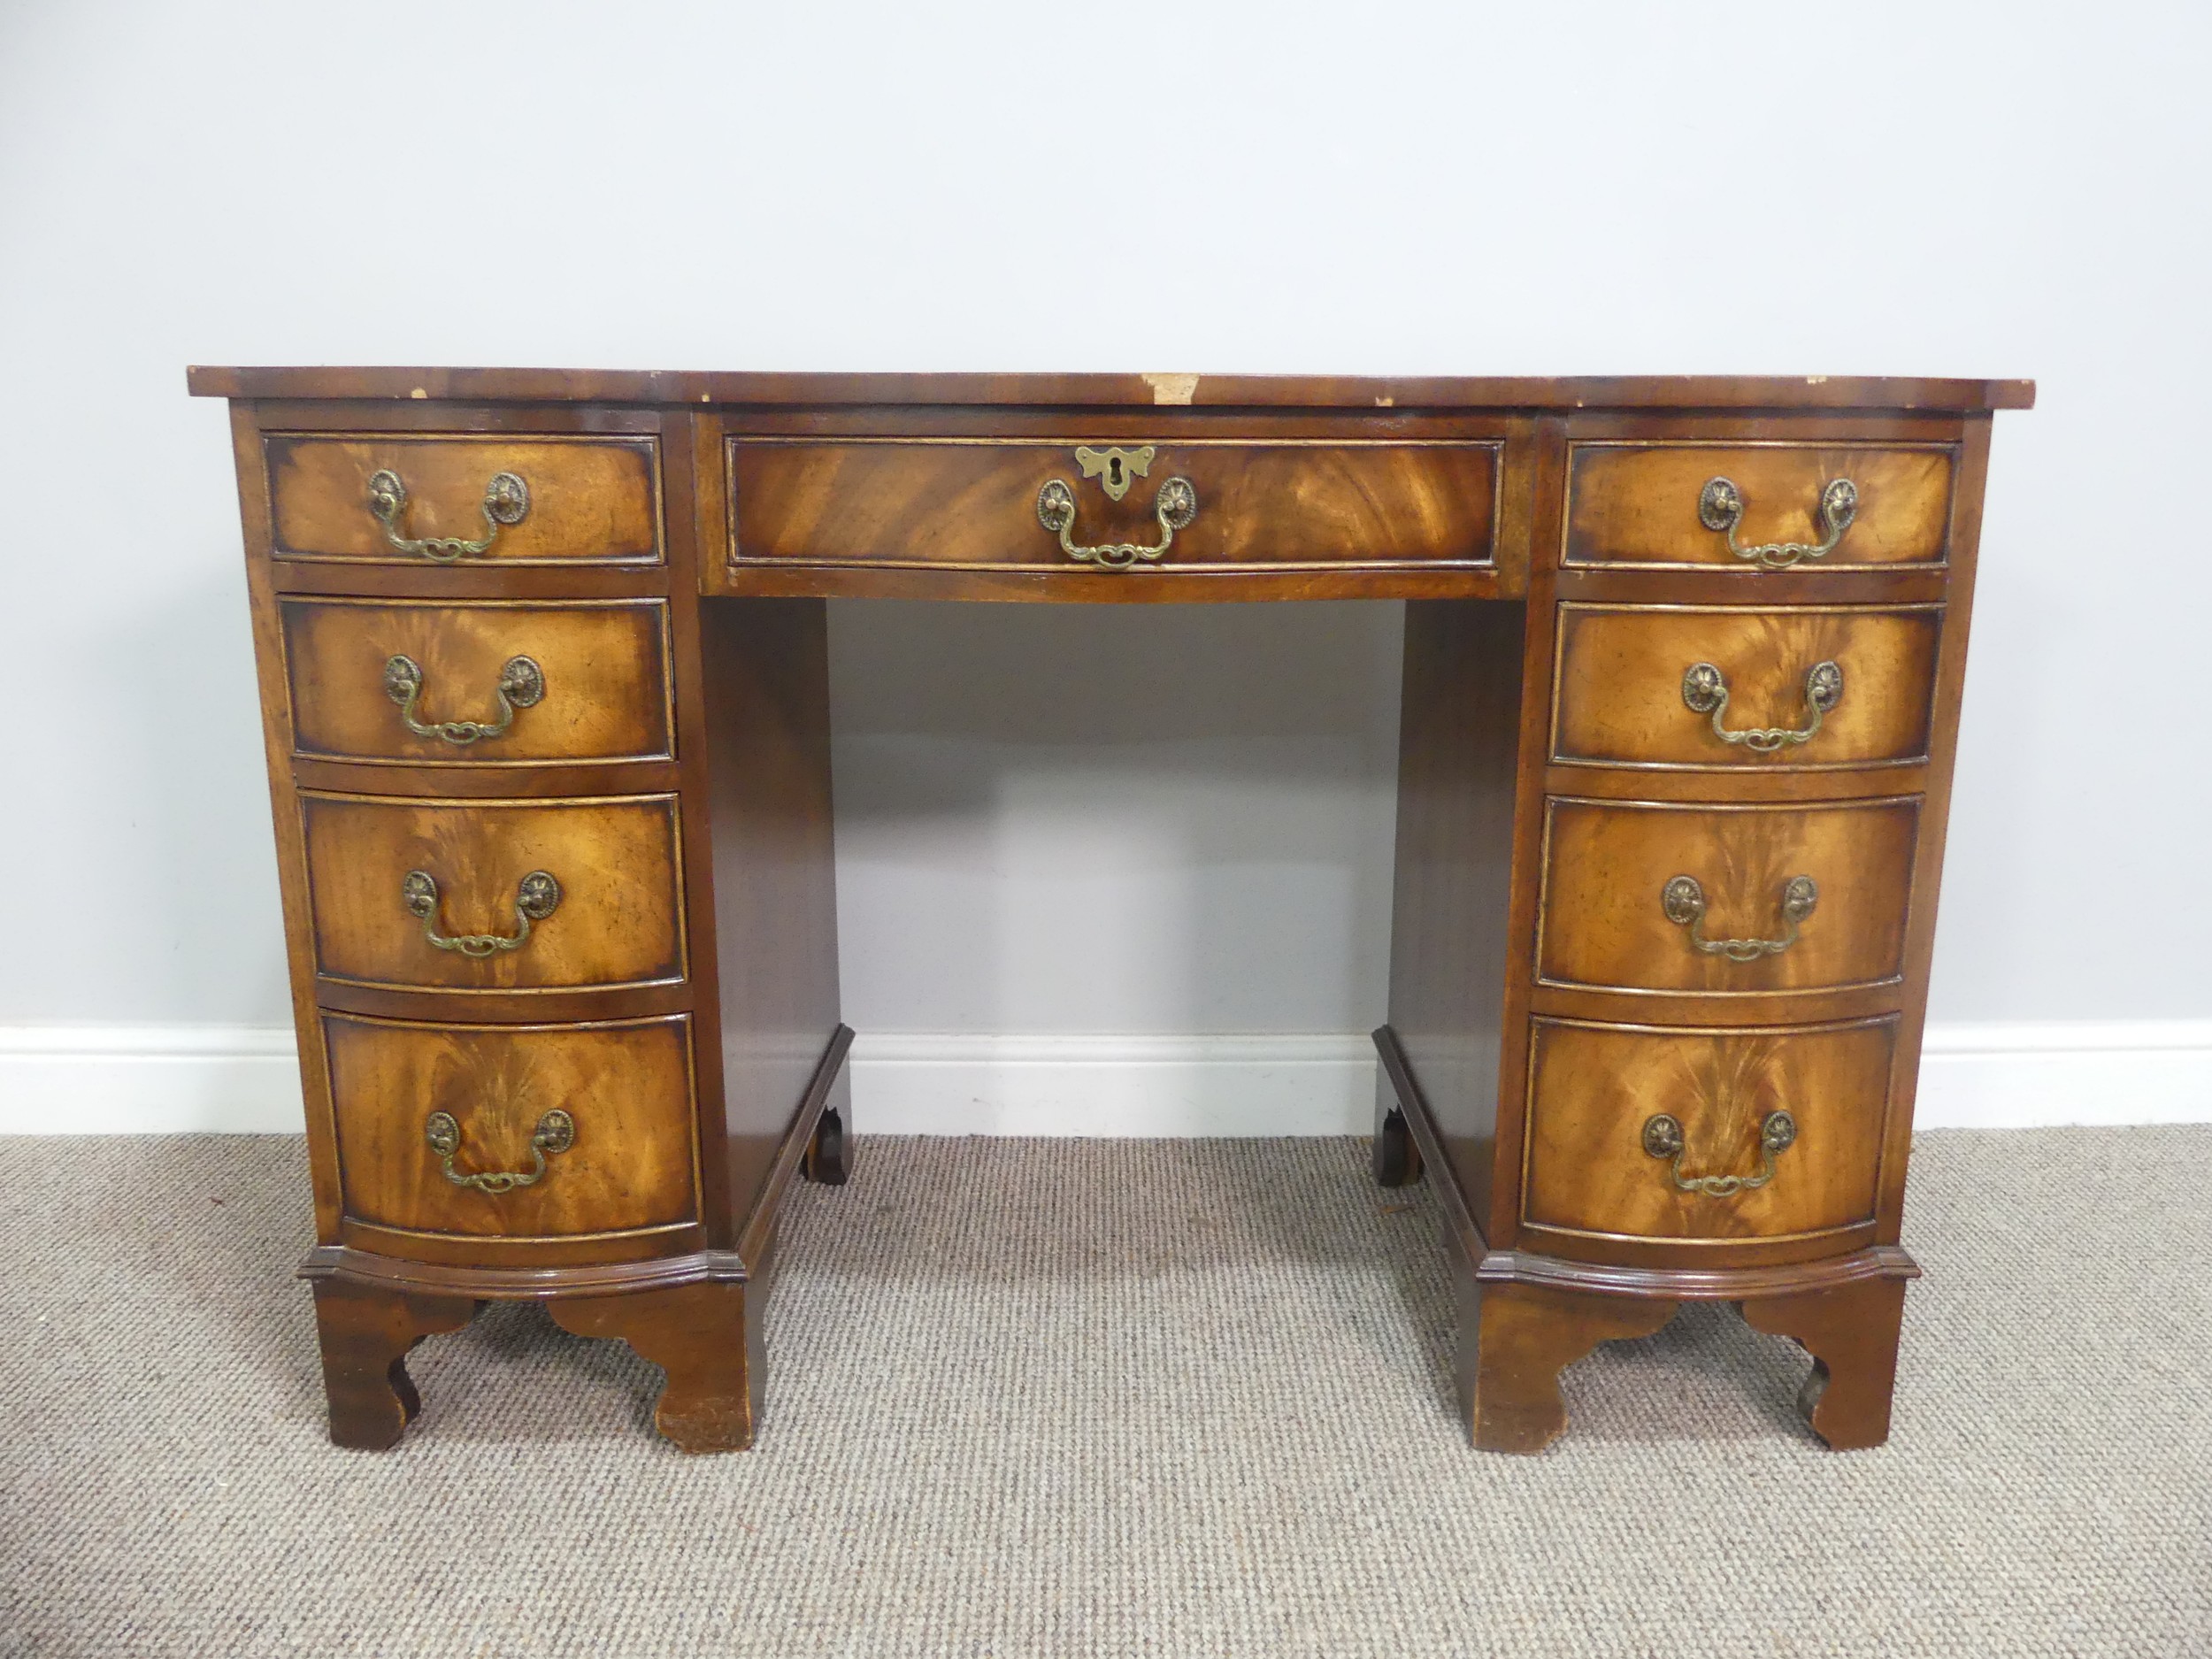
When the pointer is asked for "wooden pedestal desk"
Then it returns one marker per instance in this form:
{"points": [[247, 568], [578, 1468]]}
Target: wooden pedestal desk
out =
{"points": [[545, 689]]}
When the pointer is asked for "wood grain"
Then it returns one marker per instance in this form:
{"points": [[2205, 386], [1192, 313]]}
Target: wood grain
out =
{"points": [[765, 669], [627, 1085], [618, 922], [365, 1335], [594, 501], [1457, 724], [1851, 1331], [1591, 1088], [956, 505], [1607, 862], [1515, 1340], [605, 667], [706, 1337], [1302, 391], [1618, 697], [1637, 502]]}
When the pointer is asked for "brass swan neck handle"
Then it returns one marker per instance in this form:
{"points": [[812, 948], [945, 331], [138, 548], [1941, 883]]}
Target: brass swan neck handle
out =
{"points": [[536, 897], [1720, 509], [1663, 1139], [1683, 901], [556, 1132], [1174, 507], [521, 685], [506, 501], [1705, 691]]}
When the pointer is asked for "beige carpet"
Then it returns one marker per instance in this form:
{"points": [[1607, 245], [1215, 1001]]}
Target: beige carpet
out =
{"points": [[1108, 1398]]}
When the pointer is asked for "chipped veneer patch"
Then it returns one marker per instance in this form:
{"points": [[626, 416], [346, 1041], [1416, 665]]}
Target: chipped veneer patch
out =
{"points": [[1172, 389]]}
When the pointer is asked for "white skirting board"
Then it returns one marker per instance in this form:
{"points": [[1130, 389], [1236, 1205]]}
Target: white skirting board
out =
{"points": [[167, 1079]]}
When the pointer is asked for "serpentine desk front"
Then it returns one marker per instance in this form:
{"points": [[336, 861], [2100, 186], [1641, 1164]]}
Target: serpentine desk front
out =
{"points": [[545, 691]]}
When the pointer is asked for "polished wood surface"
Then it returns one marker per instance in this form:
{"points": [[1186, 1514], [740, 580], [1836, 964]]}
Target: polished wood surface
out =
{"points": [[700, 1337], [1518, 1338], [1460, 711], [1851, 1331], [1617, 688], [365, 1335], [1592, 1088], [1608, 863], [957, 504], [686, 388], [605, 667], [590, 500], [681, 1000], [619, 920], [1638, 502], [627, 1086]]}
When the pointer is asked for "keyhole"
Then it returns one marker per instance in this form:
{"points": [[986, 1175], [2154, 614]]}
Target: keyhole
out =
{"points": [[1113, 470]]}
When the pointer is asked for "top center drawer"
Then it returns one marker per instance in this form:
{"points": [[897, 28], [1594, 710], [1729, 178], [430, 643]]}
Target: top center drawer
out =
{"points": [[1052, 505]]}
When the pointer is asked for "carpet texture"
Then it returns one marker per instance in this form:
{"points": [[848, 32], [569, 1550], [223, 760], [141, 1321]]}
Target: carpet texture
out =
{"points": [[1162, 1398]]}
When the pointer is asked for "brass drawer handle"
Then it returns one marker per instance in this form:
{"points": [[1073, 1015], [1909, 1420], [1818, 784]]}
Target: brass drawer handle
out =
{"points": [[1662, 1138], [521, 685], [1705, 689], [1720, 508], [506, 501], [556, 1133], [1175, 506], [1684, 903], [536, 897]]}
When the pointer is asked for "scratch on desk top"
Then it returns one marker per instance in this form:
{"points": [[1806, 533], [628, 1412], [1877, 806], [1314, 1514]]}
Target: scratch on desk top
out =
{"points": [[1173, 389]]}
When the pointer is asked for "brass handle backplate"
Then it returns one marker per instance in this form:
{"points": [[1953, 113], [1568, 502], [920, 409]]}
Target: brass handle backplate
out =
{"points": [[521, 685], [536, 897], [1705, 689], [1662, 1138], [1684, 902], [556, 1132], [1175, 506], [506, 501], [1720, 508]]}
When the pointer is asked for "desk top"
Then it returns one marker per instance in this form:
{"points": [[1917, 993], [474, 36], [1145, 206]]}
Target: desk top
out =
{"points": [[1219, 391]]}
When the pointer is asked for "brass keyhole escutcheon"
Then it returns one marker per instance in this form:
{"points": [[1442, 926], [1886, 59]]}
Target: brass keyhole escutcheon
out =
{"points": [[1115, 469]]}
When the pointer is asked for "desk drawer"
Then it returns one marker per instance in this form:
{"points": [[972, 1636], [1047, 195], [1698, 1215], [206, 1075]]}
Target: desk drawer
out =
{"points": [[427, 683], [525, 895], [1804, 689], [429, 502], [999, 505], [1719, 1167], [1726, 900], [1720, 506], [592, 1122]]}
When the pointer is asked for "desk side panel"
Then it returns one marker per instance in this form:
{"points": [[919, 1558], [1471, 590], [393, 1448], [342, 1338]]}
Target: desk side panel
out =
{"points": [[1457, 768], [764, 670]]}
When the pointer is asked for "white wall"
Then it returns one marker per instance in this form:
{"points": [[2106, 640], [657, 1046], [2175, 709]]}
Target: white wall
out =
{"points": [[1086, 822]]}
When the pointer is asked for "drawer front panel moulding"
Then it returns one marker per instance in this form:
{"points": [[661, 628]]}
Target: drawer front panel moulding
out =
{"points": [[1041, 505], [426, 683], [435, 501]]}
